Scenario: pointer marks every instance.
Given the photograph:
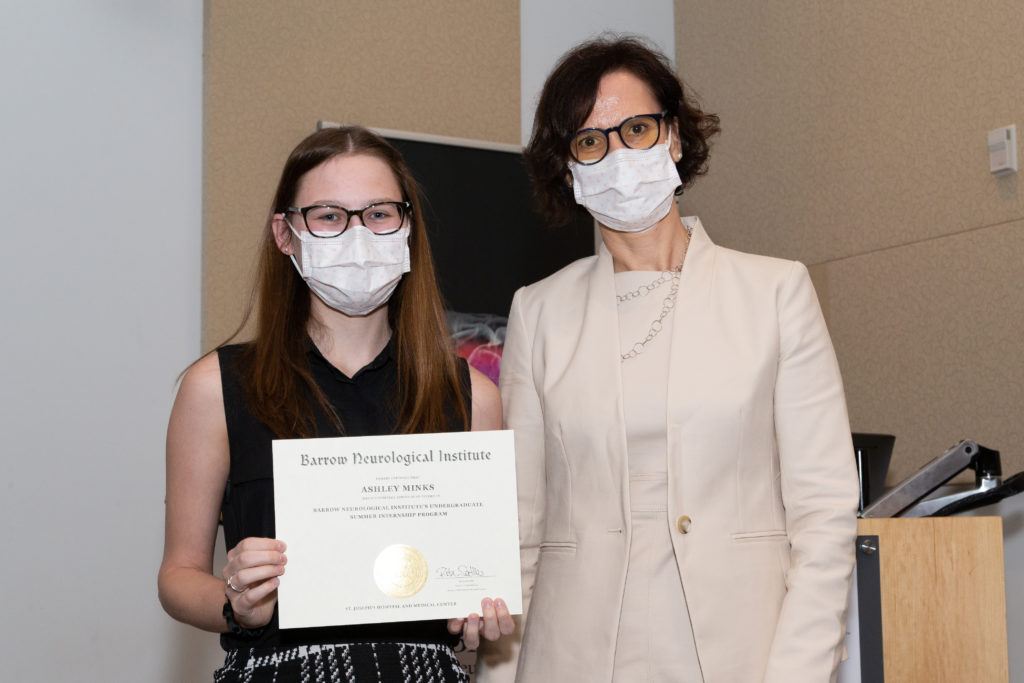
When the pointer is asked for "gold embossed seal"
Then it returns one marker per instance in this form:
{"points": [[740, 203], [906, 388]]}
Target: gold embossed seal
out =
{"points": [[400, 571]]}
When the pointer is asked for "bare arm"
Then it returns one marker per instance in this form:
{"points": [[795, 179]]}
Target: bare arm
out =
{"points": [[197, 470], [486, 401]]}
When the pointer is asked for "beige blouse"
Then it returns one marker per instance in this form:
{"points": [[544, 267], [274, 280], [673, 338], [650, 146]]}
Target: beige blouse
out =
{"points": [[655, 640]]}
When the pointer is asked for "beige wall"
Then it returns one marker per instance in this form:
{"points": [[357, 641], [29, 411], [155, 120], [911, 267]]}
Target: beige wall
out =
{"points": [[271, 70], [854, 140]]}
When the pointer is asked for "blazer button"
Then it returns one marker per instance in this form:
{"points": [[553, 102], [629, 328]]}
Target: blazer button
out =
{"points": [[683, 524]]}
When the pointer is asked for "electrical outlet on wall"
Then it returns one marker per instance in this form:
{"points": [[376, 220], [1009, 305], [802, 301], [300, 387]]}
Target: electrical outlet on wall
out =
{"points": [[1002, 150]]}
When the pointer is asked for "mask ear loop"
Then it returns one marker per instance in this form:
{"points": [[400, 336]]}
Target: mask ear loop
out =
{"points": [[668, 145], [676, 158], [291, 227], [296, 264], [408, 252], [292, 255]]}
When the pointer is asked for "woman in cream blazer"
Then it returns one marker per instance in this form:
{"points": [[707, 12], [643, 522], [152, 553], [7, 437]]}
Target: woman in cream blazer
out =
{"points": [[761, 487]]}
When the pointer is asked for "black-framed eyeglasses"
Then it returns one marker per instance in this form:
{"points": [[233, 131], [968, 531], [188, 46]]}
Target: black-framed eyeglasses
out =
{"points": [[330, 220], [590, 145]]}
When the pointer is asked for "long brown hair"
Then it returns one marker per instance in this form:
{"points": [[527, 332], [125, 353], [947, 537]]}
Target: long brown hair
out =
{"points": [[276, 375]]}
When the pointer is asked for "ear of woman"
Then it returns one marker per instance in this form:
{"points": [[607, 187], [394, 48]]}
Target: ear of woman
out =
{"points": [[282, 234]]}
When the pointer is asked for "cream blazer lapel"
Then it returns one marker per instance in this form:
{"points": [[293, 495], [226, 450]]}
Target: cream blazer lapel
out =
{"points": [[595, 381], [687, 322]]}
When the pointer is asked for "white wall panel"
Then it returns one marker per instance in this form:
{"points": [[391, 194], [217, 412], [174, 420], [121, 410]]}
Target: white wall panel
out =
{"points": [[100, 183]]}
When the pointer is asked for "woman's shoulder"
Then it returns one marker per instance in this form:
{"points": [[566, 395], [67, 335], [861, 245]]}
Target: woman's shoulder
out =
{"points": [[566, 276], [757, 274], [201, 382], [232, 350], [486, 401], [755, 264], [727, 264], [207, 374], [230, 358], [566, 280]]}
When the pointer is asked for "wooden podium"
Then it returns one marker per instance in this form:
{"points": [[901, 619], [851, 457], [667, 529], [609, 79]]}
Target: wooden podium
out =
{"points": [[931, 600]]}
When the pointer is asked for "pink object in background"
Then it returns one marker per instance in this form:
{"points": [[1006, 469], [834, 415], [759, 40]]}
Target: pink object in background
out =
{"points": [[479, 338]]}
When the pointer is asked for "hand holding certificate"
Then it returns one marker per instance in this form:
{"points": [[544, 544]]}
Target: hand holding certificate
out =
{"points": [[396, 528]]}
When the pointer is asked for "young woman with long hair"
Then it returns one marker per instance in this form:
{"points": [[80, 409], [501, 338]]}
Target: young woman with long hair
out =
{"points": [[350, 340]]}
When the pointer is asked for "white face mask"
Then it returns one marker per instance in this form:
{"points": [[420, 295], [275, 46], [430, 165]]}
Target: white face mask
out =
{"points": [[355, 272], [630, 189]]}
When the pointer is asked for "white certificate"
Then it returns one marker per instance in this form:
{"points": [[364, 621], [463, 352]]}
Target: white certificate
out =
{"points": [[396, 528]]}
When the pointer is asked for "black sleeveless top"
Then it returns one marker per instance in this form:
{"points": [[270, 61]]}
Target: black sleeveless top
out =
{"points": [[365, 403]]}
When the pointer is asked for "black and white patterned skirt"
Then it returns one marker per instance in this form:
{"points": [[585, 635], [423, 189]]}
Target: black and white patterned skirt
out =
{"points": [[343, 663]]}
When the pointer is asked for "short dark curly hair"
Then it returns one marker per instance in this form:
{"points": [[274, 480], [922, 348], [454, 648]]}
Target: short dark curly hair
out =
{"points": [[568, 98]]}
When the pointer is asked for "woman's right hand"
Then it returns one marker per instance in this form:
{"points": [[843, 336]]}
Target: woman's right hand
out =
{"points": [[251, 579]]}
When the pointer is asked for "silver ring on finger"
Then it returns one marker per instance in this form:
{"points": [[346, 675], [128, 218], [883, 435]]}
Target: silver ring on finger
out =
{"points": [[235, 588]]}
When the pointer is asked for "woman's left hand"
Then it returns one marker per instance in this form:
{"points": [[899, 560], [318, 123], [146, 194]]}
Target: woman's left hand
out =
{"points": [[495, 623]]}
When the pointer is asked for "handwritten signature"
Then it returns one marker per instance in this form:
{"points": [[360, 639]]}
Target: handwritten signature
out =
{"points": [[462, 571]]}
